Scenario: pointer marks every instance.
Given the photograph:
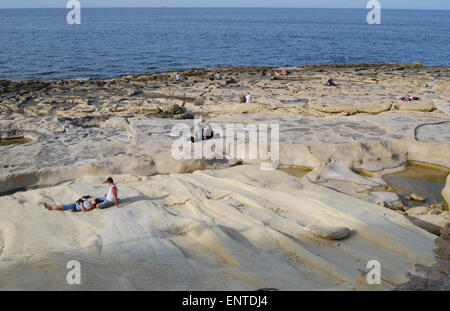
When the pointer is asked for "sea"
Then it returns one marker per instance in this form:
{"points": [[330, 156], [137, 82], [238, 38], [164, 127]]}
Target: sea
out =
{"points": [[110, 42]]}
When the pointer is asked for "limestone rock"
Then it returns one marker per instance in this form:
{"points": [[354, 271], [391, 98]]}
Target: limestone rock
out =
{"points": [[132, 91], [329, 233], [419, 210], [420, 105], [434, 212], [445, 232], [199, 101], [417, 283], [314, 177], [172, 109], [172, 207], [431, 223], [444, 247], [445, 215], [438, 206], [443, 244], [443, 265], [415, 197], [84, 108], [435, 277], [117, 122], [396, 205]]}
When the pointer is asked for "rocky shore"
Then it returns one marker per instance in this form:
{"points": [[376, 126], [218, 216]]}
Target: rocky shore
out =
{"points": [[219, 219]]}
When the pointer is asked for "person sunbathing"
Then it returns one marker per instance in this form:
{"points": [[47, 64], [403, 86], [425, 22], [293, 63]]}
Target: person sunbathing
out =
{"points": [[83, 204], [284, 72], [409, 98]]}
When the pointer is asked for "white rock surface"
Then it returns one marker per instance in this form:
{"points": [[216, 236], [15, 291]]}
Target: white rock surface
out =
{"points": [[238, 228]]}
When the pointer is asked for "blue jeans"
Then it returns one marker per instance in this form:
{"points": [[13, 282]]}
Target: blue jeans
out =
{"points": [[72, 207], [105, 203]]}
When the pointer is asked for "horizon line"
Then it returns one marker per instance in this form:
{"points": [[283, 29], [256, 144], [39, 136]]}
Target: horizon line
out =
{"points": [[214, 7]]}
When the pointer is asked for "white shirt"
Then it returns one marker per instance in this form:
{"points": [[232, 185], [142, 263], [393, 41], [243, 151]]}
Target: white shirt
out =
{"points": [[86, 204], [219, 76], [178, 78], [249, 99], [110, 196]]}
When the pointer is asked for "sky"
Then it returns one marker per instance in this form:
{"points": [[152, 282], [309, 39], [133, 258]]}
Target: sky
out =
{"points": [[387, 4]]}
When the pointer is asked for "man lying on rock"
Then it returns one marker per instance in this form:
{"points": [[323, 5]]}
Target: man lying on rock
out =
{"points": [[85, 205]]}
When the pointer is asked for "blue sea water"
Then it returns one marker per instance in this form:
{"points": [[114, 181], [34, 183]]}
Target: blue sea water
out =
{"points": [[39, 44]]}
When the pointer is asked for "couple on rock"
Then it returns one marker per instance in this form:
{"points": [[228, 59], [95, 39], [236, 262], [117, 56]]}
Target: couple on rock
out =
{"points": [[85, 204]]}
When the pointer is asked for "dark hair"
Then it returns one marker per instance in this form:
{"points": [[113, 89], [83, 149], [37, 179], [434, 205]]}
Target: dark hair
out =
{"points": [[110, 180]]}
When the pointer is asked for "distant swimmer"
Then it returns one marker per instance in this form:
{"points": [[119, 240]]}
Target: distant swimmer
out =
{"points": [[248, 98]]}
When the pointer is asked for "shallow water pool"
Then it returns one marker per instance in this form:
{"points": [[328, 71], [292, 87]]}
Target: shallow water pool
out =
{"points": [[13, 141], [297, 171], [427, 181]]}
